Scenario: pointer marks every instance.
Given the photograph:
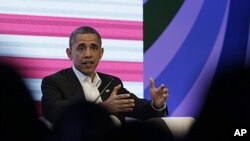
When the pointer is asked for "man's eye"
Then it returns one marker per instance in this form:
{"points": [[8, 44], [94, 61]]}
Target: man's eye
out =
{"points": [[94, 47], [80, 47]]}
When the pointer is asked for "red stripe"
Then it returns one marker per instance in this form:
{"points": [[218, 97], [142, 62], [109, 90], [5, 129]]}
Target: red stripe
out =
{"points": [[59, 26], [40, 67]]}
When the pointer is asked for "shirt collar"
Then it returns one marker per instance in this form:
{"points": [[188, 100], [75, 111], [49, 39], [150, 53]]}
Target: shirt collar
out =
{"points": [[83, 78]]}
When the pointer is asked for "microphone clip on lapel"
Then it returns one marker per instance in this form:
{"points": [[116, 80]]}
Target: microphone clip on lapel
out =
{"points": [[104, 90]]}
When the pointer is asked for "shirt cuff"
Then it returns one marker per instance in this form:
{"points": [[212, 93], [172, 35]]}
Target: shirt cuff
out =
{"points": [[161, 109]]}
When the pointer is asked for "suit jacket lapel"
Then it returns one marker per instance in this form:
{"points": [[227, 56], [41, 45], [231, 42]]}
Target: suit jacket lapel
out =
{"points": [[105, 86], [75, 85]]}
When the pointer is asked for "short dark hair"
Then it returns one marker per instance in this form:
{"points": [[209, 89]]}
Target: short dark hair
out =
{"points": [[83, 30]]}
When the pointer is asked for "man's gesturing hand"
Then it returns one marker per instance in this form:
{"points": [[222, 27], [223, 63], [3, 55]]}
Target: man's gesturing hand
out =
{"points": [[159, 95], [118, 103]]}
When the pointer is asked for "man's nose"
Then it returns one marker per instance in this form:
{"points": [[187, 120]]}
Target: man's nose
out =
{"points": [[88, 53]]}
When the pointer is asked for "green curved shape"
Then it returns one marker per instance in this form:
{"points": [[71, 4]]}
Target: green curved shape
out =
{"points": [[157, 14]]}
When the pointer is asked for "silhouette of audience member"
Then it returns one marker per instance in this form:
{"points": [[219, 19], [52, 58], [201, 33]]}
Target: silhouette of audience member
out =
{"points": [[141, 131], [226, 108], [19, 120], [83, 121]]}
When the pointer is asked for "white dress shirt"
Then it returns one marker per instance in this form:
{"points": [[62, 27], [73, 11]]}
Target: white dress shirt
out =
{"points": [[89, 87]]}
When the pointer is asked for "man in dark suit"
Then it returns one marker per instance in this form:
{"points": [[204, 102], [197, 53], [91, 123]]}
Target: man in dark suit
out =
{"points": [[82, 82]]}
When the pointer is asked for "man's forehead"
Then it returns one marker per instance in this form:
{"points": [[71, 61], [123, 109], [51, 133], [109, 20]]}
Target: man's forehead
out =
{"points": [[87, 37], [83, 40]]}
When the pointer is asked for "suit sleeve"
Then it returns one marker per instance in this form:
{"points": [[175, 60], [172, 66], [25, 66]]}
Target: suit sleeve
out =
{"points": [[143, 109], [53, 99]]}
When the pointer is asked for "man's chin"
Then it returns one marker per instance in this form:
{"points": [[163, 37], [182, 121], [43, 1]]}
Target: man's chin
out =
{"points": [[88, 72]]}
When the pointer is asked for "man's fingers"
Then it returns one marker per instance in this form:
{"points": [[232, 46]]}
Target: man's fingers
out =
{"points": [[131, 105], [165, 90], [125, 105], [126, 101], [123, 96], [162, 87], [152, 83], [165, 94]]}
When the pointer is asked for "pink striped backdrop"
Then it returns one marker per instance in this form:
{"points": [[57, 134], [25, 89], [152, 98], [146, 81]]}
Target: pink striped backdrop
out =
{"points": [[60, 26], [40, 67], [24, 21]]}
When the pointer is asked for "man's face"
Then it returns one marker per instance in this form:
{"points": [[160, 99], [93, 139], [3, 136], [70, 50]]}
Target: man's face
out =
{"points": [[86, 53]]}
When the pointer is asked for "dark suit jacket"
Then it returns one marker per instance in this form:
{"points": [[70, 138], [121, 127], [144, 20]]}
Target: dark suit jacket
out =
{"points": [[63, 88]]}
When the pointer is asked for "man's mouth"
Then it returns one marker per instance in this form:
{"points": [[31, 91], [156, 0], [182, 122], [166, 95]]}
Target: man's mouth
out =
{"points": [[88, 63]]}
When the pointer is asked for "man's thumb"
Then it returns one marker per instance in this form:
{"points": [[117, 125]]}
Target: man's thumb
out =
{"points": [[114, 92]]}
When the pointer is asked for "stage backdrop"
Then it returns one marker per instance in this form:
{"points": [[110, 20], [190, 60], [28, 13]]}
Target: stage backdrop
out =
{"points": [[181, 43], [188, 42]]}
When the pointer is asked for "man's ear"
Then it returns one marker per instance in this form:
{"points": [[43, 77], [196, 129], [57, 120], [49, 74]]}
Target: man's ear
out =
{"points": [[102, 51], [68, 51]]}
